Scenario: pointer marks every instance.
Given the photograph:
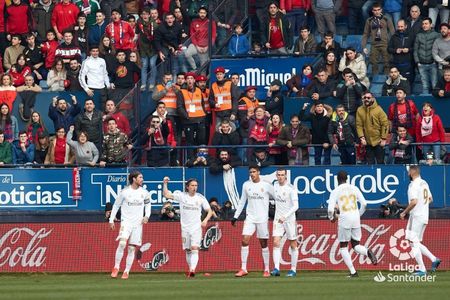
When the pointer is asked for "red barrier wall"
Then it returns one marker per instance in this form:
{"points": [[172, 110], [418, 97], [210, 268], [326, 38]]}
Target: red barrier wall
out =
{"points": [[90, 247]]}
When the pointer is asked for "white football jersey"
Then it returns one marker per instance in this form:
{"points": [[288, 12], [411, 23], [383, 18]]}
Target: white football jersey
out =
{"points": [[418, 189], [286, 201], [257, 195], [191, 209], [347, 196], [132, 203]]}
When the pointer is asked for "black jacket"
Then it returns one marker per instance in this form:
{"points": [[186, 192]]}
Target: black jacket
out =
{"points": [[274, 103], [123, 76], [216, 166], [93, 127], [319, 124], [440, 85], [350, 96], [324, 90], [166, 36], [399, 40], [285, 26], [349, 136], [156, 157], [232, 138]]}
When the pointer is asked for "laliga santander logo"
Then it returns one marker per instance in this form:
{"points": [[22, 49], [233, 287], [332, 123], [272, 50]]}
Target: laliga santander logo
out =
{"points": [[212, 235], [31, 255], [399, 246], [159, 258]]}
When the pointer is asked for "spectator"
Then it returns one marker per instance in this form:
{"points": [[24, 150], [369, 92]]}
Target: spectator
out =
{"points": [[135, 58], [225, 135], [42, 16], [377, 29], [80, 35], [89, 8], [161, 112], [90, 121], [423, 55], [254, 128], [111, 112], [295, 137], [8, 123], [200, 160], [392, 210], [329, 44], [120, 32], [342, 135], [430, 130], [181, 81], [28, 93], [401, 46], [86, 154], [224, 162], [298, 85], [108, 53], [297, 12], [403, 112], [394, 81], [331, 65], [6, 156], [322, 87], [23, 150], [401, 147], [257, 49], [122, 80], [356, 62], [227, 212], [108, 6], [64, 16], [225, 14], [430, 160], [19, 19], [19, 71], [372, 127], [274, 128], [274, 100], [235, 78], [145, 28], [72, 76], [56, 78], [12, 52], [97, 30], [350, 91], [261, 158], [59, 153], [68, 49], [393, 10], [156, 135], [319, 117], [41, 147], [34, 58], [199, 34], [442, 88], [63, 114], [435, 8], [35, 128], [8, 92], [325, 13], [355, 17], [216, 209], [223, 97], [441, 47], [306, 43], [48, 49], [414, 22], [201, 84], [238, 44], [115, 145], [277, 31], [169, 213], [247, 102]]}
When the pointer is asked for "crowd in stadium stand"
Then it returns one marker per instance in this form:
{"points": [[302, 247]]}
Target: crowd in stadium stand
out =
{"points": [[108, 47]]}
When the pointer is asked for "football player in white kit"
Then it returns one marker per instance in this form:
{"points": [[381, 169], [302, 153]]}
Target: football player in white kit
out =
{"points": [[346, 197], [257, 193], [134, 201], [191, 205], [419, 199], [286, 204]]}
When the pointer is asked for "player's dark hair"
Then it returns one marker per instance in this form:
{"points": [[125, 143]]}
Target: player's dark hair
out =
{"points": [[282, 170], [133, 174], [342, 177], [188, 182], [253, 166]]}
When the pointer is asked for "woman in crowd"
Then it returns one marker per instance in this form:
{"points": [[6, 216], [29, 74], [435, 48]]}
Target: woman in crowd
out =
{"points": [[57, 76], [41, 148], [331, 65], [356, 62], [134, 57], [8, 124], [5, 150], [35, 127], [85, 152], [108, 53], [278, 153], [298, 84], [59, 152], [8, 92], [19, 71], [401, 147], [429, 129]]}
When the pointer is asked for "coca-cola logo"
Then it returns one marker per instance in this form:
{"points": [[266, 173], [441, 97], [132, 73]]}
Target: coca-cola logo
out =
{"points": [[159, 258], [212, 235], [313, 247], [13, 253], [399, 246]]}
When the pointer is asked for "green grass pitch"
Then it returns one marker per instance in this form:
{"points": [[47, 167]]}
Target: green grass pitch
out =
{"points": [[307, 285]]}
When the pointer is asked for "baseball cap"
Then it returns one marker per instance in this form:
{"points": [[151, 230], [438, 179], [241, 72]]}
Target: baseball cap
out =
{"points": [[276, 82], [249, 88], [201, 78], [190, 74], [219, 69]]}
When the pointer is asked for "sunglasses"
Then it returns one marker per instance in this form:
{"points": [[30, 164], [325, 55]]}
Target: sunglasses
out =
{"points": [[367, 97]]}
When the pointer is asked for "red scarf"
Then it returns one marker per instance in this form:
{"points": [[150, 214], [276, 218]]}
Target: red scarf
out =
{"points": [[258, 132], [447, 86], [157, 138], [60, 150]]}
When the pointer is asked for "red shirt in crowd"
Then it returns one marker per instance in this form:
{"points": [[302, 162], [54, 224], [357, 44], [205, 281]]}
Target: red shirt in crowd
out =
{"points": [[276, 36], [430, 130], [48, 50], [18, 18], [199, 32], [121, 34], [289, 5], [64, 16], [402, 116]]}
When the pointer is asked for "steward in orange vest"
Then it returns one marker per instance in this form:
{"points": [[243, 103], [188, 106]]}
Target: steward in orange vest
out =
{"points": [[246, 103], [168, 93], [224, 96]]}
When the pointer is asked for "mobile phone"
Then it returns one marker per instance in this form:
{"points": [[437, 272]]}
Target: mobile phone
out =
{"points": [[169, 83]]}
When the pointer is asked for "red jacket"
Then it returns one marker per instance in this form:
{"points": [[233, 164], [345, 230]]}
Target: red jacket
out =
{"points": [[122, 123], [48, 50], [437, 133], [199, 32], [18, 18], [19, 77], [64, 16], [2, 16], [289, 5], [121, 35]]}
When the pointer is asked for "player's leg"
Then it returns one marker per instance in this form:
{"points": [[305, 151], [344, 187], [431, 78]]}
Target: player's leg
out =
{"points": [[291, 234], [411, 235], [355, 238], [344, 236], [195, 238], [262, 233], [277, 233], [247, 232], [435, 262], [186, 241], [134, 241], [124, 234]]}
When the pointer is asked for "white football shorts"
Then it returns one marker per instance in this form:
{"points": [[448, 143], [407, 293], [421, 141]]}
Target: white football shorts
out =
{"points": [[289, 227], [191, 238], [262, 229], [415, 230], [132, 233], [347, 234]]}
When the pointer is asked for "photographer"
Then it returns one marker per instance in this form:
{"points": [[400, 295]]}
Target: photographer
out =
{"points": [[392, 210], [349, 91], [200, 160], [216, 208], [156, 135], [168, 213]]}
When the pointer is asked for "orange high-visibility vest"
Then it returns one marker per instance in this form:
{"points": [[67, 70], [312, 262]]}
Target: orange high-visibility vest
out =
{"points": [[223, 92], [205, 100], [170, 99], [193, 103], [248, 104]]}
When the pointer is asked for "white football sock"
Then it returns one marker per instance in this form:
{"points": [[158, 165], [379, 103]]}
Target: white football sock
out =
{"points": [[294, 259], [266, 258], [119, 255], [347, 259], [427, 252], [276, 257], [188, 258], [244, 255], [360, 250], [418, 256], [194, 260], [130, 259]]}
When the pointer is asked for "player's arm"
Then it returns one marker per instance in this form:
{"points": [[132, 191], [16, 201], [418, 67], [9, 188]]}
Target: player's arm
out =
{"points": [[207, 208], [413, 196], [166, 193], [410, 206], [147, 209], [294, 207], [241, 205], [331, 206], [115, 209], [362, 202]]}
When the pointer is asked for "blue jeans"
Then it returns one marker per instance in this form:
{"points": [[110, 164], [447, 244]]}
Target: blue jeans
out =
{"points": [[318, 150], [395, 16], [428, 76], [436, 151], [297, 18], [146, 62]]}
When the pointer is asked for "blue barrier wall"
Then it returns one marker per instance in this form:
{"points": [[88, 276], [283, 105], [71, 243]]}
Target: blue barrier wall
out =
{"points": [[51, 189]]}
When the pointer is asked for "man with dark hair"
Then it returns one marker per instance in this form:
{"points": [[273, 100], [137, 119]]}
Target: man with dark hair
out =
{"points": [[322, 87], [403, 112], [306, 43], [156, 135], [329, 44], [12, 52], [401, 47], [442, 88], [295, 137], [115, 145], [68, 49], [97, 30], [441, 47], [42, 14], [90, 121], [23, 150], [120, 32], [349, 91], [224, 162], [395, 81], [72, 76], [122, 81], [62, 114], [277, 31], [226, 134], [342, 134]]}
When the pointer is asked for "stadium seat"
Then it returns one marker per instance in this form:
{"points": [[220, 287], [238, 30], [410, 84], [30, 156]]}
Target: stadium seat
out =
{"points": [[376, 88], [379, 79], [338, 38], [353, 41]]}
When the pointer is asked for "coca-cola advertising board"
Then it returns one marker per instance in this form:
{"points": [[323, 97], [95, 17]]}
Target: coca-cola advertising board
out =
{"points": [[90, 247]]}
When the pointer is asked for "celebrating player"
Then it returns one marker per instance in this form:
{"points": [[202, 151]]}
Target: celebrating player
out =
{"points": [[134, 201], [419, 199], [191, 204], [257, 192], [286, 204], [345, 197]]}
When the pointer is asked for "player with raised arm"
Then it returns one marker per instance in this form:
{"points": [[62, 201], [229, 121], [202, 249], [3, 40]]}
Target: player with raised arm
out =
{"points": [[343, 205], [286, 204], [419, 199], [134, 202], [257, 193], [191, 205]]}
